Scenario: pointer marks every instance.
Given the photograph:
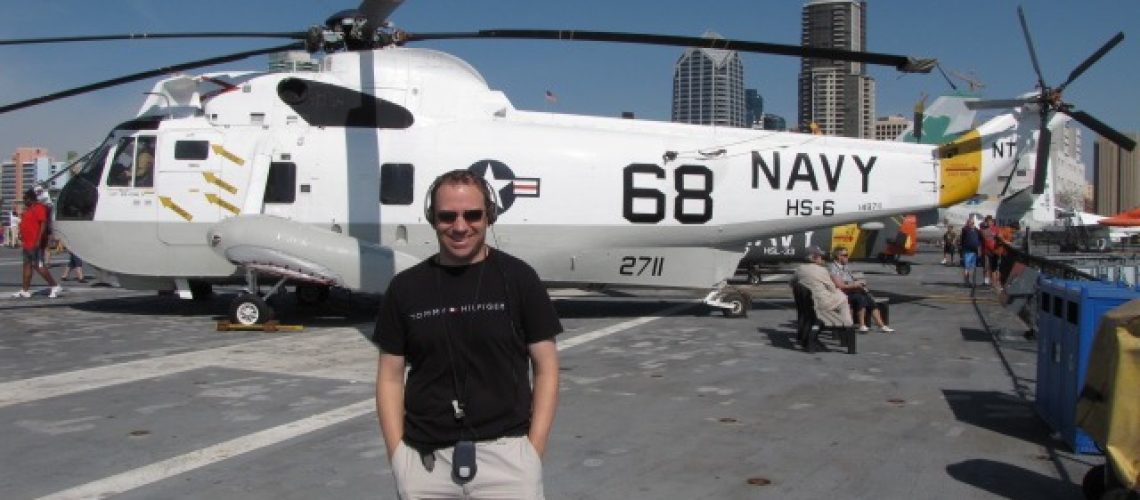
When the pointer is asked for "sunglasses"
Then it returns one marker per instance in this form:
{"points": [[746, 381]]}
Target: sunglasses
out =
{"points": [[841, 255], [450, 216]]}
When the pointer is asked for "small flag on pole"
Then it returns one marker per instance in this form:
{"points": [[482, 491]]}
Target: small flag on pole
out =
{"points": [[550, 97]]}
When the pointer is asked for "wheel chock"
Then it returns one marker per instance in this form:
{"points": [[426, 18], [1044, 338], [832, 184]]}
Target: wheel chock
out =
{"points": [[269, 327]]}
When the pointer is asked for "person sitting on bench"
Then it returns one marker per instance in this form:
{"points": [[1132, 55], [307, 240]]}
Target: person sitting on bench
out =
{"points": [[830, 302], [857, 293]]}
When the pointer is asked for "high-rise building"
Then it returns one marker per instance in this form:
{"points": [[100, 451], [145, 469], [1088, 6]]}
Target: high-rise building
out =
{"points": [[1116, 176], [774, 122], [1068, 171], [889, 128], [753, 109], [708, 87], [837, 96], [16, 176]]}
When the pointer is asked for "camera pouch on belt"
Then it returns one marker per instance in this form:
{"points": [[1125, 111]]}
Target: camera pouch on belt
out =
{"points": [[463, 462]]}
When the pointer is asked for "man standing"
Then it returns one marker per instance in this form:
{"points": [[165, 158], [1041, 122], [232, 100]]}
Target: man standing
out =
{"points": [[470, 322], [34, 234], [949, 244], [970, 242]]}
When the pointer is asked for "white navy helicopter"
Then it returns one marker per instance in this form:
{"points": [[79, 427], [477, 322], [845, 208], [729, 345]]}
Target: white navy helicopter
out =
{"points": [[316, 179]]}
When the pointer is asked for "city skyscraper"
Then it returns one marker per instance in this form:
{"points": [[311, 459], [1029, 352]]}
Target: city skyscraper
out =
{"points": [[753, 108], [1116, 176], [838, 96], [708, 87]]}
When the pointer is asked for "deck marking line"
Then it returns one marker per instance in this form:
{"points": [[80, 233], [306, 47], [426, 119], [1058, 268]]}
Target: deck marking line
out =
{"points": [[158, 471], [61, 384], [148, 474], [610, 330]]}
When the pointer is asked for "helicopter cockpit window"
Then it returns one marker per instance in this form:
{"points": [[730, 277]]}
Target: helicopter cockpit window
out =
{"points": [[144, 162], [397, 183], [78, 198], [281, 183], [191, 150], [123, 163]]}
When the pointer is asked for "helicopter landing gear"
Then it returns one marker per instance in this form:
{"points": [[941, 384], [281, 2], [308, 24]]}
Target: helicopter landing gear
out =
{"points": [[902, 268], [733, 302], [248, 309], [251, 307], [201, 291], [312, 295]]}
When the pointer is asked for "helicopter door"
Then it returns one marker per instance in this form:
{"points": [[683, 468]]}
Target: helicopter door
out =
{"points": [[192, 193], [129, 193]]}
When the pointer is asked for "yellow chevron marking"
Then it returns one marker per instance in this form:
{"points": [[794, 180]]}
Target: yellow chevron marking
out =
{"points": [[168, 203], [214, 179], [215, 199], [219, 150]]}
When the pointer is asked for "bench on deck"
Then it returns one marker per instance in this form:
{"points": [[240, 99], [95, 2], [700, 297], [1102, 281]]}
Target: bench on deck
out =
{"points": [[809, 325]]}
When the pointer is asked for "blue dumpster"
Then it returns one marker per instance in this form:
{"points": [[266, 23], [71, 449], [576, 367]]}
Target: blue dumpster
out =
{"points": [[1070, 312]]}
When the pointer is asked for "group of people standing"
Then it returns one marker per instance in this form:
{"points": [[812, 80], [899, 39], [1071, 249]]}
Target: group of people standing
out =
{"points": [[985, 242]]}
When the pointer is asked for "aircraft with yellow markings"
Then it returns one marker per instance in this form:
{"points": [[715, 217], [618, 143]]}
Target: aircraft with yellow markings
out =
{"points": [[316, 179]]}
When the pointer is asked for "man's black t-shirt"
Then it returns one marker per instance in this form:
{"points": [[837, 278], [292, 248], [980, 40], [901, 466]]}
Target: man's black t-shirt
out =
{"points": [[454, 325]]}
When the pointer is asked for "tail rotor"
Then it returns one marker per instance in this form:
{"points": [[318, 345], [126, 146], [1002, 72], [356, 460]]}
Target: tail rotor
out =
{"points": [[1049, 101]]}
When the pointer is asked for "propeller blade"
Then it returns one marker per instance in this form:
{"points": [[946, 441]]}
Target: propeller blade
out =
{"points": [[1032, 52], [1101, 128], [1084, 66], [144, 75], [150, 36], [902, 63], [1041, 171], [377, 11], [999, 103]]}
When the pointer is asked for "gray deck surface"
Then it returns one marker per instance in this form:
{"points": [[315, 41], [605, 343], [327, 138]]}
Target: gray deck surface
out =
{"points": [[108, 391]]}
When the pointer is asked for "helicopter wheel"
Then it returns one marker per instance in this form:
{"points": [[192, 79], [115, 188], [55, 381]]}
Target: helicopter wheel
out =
{"points": [[739, 305], [902, 268], [249, 309], [311, 295]]}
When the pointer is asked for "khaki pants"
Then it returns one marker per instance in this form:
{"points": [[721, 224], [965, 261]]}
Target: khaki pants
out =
{"points": [[506, 468]]}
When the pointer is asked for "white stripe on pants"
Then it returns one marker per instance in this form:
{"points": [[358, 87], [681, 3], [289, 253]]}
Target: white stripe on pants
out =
{"points": [[506, 468]]}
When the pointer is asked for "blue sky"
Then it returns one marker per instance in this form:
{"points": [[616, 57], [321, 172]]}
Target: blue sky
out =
{"points": [[971, 36]]}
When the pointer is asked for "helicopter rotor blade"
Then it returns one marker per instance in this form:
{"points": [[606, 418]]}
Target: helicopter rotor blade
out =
{"points": [[377, 11], [1044, 138], [1101, 128], [902, 63], [151, 36], [1032, 52], [999, 103], [144, 75], [1084, 66]]}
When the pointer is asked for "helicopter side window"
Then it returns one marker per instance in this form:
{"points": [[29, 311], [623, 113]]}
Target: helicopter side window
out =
{"points": [[144, 162], [281, 183], [191, 150], [397, 183], [123, 164]]}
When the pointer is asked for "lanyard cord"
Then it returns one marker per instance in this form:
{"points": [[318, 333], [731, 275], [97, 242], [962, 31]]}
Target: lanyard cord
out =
{"points": [[458, 404]]}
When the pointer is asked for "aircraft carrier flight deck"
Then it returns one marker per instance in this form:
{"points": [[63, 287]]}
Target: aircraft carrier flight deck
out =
{"points": [[106, 392]]}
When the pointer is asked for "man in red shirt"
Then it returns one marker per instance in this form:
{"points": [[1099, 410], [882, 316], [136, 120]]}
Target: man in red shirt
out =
{"points": [[33, 233]]}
